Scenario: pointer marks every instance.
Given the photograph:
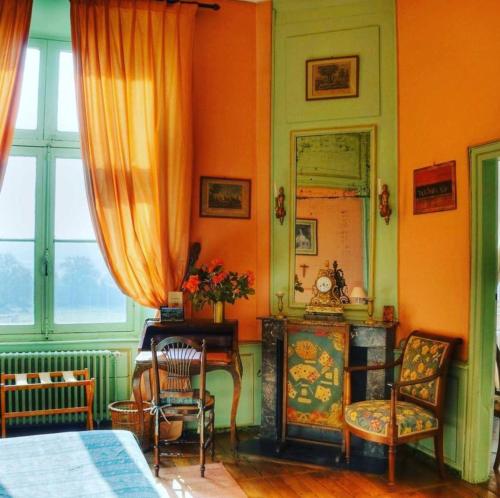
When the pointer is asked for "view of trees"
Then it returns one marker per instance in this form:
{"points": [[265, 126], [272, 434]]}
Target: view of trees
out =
{"points": [[16, 286], [78, 285]]}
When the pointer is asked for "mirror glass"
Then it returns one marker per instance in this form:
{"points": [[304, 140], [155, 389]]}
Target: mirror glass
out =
{"points": [[333, 182]]}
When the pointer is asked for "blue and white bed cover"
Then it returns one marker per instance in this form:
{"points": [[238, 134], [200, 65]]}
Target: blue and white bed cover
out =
{"points": [[76, 464]]}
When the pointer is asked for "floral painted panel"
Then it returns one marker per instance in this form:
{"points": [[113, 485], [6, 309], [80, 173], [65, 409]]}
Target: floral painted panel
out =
{"points": [[315, 375], [422, 358]]}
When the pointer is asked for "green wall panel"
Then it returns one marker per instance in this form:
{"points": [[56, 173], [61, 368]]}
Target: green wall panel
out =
{"points": [[363, 42], [318, 28], [454, 419]]}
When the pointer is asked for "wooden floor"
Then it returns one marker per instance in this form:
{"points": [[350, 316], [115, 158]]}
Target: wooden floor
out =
{"points": [[265, 478]]}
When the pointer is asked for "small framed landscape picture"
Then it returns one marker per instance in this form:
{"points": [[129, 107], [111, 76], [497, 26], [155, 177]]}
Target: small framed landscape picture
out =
{"points": [[306, 237], [225, 197], [332, 78]]}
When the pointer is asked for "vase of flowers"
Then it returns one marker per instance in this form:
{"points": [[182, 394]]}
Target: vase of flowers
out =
{"points": [[212, 284]]}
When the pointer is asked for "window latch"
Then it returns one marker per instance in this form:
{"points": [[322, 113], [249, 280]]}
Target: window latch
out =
{"points": [[46, 263]]}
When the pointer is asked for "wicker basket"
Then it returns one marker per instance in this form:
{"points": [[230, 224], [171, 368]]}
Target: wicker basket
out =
{"points": [[125, 416]]}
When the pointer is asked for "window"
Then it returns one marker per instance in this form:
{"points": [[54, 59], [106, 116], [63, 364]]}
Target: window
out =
{"points": [[53, 278]]}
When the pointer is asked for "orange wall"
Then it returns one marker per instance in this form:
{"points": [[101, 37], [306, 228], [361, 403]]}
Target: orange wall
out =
{"points": [[231, 139], [449, 99]]}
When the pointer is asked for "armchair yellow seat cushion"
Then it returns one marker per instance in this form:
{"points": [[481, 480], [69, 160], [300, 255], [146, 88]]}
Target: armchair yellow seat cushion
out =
{"points": [[373, 417]]}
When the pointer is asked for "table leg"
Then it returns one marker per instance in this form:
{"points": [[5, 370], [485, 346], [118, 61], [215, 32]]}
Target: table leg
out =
{"points": [[237, 373]]}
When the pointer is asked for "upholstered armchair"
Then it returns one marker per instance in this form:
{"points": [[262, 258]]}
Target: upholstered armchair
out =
{"points": [[416, 406]]}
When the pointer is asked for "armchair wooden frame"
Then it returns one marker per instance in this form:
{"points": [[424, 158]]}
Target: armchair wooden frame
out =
{"points": [[393, 439]]}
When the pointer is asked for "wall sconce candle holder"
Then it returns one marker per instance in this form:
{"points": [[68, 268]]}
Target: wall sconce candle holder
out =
{"points": [[279, 210], [280, 295], [383, 206]]}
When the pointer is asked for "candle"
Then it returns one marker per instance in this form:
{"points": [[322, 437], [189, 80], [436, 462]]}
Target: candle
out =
{"points": [[379, 186], [275, 191]]}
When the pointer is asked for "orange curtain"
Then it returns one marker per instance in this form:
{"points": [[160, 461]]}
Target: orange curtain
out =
{"points": [[133, 66], [15, 16]]}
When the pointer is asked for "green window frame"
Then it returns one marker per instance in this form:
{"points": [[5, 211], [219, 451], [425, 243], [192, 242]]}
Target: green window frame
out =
{"points": [[47, 144]]}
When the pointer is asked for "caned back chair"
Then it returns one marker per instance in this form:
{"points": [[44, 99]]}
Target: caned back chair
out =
{"points": [[415, 410], [175, 399]]}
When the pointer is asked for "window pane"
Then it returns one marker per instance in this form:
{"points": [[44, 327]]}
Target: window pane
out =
{"points": [[27, 115], [67, 119], [17, 199], [17, 283], [72, 216], [84, 290]]}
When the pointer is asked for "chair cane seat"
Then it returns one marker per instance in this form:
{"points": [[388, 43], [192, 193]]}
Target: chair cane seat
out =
{"points": [[373, 417], [188, 402]]}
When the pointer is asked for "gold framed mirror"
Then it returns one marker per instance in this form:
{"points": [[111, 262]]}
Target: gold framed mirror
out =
{"points": [[333, 209]]}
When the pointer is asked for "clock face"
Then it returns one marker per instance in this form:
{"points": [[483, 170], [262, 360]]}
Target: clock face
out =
{"points": [[324, 284]]}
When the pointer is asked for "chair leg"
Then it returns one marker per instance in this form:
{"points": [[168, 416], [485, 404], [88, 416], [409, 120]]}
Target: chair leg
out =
{"points": [[438, 451], [212, 430], [156, 443], [89, 394], [392, 464], [3, 411], [347, 445], [202, 443], [497, 457]]}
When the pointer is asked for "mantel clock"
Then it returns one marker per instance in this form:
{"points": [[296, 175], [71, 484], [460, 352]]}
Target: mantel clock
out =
{"points": [[325, 299]]}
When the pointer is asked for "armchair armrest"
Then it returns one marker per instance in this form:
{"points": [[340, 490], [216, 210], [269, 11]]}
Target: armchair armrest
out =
{"points": [[394, 386], [349, 370]]}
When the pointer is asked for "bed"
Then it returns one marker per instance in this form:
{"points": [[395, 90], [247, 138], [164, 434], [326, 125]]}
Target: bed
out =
{"points": [[76, 464]]}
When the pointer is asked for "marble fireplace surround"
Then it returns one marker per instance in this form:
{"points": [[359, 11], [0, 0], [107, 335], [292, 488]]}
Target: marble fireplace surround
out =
{"points": [[368, 344]]}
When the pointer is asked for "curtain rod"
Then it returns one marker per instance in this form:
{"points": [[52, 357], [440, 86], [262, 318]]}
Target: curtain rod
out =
{"points": [[212, 6]]}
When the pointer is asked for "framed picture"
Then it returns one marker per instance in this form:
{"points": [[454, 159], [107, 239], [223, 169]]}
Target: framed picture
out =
{"points": [[225, 197], [306, 237], [332, 78], [434, 188]]}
